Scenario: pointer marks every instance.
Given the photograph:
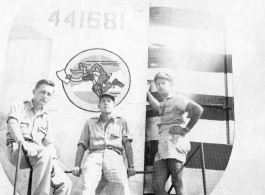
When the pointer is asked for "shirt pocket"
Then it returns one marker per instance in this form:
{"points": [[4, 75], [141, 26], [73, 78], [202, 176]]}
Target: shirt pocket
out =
{"points": [[115, 133], [96, 133], [43, 129], [184, 143]]}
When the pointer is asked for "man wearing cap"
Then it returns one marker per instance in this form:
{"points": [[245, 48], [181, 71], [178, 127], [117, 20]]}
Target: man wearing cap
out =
{"points": [[174, 144], [28, 122], [105, 137]]}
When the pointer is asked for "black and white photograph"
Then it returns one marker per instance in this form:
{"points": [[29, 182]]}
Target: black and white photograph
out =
{"points": [[131, 97]]}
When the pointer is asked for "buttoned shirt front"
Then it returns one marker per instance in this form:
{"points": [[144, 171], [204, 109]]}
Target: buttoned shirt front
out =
{"points": [[96, 137], [172, 111], [32, 126]]}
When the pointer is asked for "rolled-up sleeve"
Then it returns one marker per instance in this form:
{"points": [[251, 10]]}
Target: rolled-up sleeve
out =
{"points": [[182, 102], [84, 139], [15, 111], [126, 131]]}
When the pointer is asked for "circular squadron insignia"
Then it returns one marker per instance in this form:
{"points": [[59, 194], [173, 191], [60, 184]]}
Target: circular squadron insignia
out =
{"points": [[91, 73]]}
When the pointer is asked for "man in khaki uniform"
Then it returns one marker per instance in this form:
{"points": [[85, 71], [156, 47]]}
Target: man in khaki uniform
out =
{"points": [[29, 123], [173, 141], [105, 137]]}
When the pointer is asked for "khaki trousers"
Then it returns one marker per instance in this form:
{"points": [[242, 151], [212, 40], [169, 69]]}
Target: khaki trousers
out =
{"points": [[46, 173], [111, 164]]}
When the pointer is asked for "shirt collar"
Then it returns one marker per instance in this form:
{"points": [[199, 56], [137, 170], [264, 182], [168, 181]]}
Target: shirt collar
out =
{"points": [[170, 95], [31, 106], [113, 118]]}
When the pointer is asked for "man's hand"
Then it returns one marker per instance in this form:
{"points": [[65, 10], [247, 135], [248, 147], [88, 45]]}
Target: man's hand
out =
{"points": [[30, 149], [178, 130], [148, 86], [76, 171], [131, 172]]}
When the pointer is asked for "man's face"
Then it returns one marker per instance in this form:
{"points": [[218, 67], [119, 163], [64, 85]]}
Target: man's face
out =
{"points": [[163, 86], [43, 94], [106, 105]]}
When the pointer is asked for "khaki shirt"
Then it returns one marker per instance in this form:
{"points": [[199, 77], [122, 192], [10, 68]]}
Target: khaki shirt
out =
{"points": [[172, 111], [95, 137], [35, 127]]}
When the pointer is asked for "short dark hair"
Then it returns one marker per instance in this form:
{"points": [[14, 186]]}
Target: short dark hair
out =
{"points": [[44, 81]]}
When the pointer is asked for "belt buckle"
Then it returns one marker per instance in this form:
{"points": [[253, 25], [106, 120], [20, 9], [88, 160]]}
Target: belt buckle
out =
{"points": [[110, 148], [28, 140], [115, 150], [10, 144]]}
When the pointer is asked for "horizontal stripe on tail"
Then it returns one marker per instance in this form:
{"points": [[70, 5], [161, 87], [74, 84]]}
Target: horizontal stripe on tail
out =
{"points": [[187, 60], [183, 18], [207, 131], [214, 106], [216, 155]]}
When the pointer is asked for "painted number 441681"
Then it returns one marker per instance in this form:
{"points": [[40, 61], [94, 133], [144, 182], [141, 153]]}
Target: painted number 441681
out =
{"points": [[93, 19]]}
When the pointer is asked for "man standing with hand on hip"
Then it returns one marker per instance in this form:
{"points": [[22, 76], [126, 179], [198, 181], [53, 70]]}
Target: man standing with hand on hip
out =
{"points": [[28, 122], [105, 137], [173, 145]]}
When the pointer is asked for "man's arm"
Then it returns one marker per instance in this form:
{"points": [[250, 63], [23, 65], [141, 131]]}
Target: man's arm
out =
{"points": [[78, 160], [129, 155], [195, 111], [153, 101], [15, 131]]}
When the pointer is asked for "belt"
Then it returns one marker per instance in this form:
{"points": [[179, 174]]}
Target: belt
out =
{"points": [[9, 144], [28, 139], [114, 149]]}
